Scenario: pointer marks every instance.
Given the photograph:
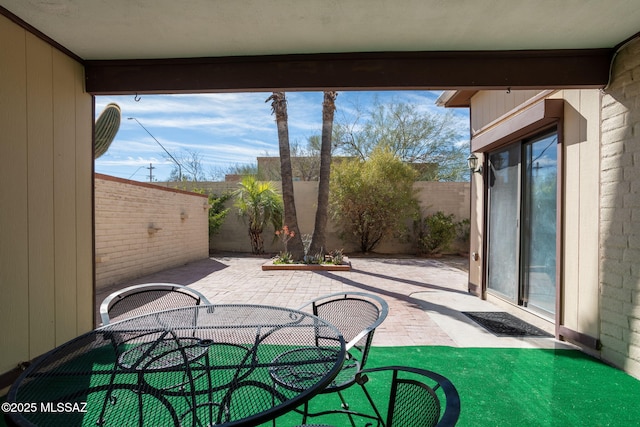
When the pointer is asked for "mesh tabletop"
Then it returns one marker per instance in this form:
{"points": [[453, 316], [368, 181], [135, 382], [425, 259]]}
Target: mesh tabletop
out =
{"points": [[192, 366]]}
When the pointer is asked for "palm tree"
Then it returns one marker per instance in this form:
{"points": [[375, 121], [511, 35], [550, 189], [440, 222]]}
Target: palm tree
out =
{"points": [[318, 240], [279, 107], [260, 204]]}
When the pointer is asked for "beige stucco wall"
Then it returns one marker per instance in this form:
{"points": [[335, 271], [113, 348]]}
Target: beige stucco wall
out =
{"points": [[46, 239], [449, 197], [620, 213], [142, 228]]}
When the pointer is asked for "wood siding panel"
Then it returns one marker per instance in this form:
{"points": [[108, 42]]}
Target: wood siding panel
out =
{"points": [[476, 236], [64, 177], [571, 209], [581, 217], [41, 197], [491, 105], [501, 104], [84, 204], [479, 105], [588, 316], [14, 251]]}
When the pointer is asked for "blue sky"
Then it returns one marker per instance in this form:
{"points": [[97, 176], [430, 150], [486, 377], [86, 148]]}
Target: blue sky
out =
{"points": [[226, 129]]}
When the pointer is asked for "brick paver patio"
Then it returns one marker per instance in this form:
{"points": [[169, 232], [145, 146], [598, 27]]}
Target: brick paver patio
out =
{"points": [[425, 296]]}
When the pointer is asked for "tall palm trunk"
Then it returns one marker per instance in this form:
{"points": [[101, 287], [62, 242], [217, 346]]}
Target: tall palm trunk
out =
{"points": [[279, 107], [318, 241]]}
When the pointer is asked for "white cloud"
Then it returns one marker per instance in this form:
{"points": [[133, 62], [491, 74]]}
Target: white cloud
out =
{"points": [[227, 127]]}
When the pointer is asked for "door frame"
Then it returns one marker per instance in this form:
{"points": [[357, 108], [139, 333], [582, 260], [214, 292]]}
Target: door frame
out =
{"points": [[533, 120], [518, 300]]}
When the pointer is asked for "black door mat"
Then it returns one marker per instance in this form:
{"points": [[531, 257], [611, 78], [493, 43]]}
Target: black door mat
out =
{"points": [[504, 324]]}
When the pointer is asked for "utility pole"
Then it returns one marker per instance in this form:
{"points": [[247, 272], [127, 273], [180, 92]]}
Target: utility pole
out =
{"points": [[151, 168]]}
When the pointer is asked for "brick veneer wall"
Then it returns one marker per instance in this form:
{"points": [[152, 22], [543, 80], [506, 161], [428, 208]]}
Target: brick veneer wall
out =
{"points": [[620, 213], [142, 228]]}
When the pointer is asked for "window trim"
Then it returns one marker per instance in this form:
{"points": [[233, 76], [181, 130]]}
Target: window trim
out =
{"points": [[520, 126]]}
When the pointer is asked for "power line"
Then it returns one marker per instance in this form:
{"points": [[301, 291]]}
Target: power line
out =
{"points": [[162, 146], [135, 172]]}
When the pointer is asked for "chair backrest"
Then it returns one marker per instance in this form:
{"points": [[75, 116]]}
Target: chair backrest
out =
{"points": [[146, 298], [355, 314], [417, 397]]}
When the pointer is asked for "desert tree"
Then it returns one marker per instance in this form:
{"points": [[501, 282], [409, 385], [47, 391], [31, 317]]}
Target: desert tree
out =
{"points": [[435, 144]]}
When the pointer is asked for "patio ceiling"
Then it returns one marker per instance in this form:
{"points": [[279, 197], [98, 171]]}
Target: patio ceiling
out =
{"points": [[99, 31]]}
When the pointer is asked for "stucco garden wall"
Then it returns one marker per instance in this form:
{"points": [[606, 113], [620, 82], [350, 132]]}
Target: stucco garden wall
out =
{"points": [[449, 197], [142, 228], [620, 213]]}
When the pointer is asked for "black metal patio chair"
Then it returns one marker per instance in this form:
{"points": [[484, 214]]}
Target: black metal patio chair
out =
{"points": [[411, 397], [146, 298], [156, 350], [401, 396], [356, 315]]}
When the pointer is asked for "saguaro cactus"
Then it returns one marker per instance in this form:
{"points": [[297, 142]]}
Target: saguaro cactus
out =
{"points": [[106, 128]]}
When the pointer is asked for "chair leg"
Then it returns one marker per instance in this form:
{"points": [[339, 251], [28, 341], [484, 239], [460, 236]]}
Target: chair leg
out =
{"points": [[373, 405], [109, 397], [140, 423], [210, 394], [345, 406]]}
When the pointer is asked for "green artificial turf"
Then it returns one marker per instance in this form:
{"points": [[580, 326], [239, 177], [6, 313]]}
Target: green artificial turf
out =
{"points": [[515, 387], [508, 387], [527, 387]]}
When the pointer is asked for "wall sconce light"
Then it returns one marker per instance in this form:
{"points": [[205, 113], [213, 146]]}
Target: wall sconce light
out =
{"points": [[472, 162], [184, 215]]}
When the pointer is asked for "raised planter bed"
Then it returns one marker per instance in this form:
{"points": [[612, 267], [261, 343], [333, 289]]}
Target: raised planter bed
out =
{"points": [[345, 266]]}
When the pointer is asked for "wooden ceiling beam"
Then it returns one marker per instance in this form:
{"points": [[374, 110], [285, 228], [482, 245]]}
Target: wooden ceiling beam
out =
{"points": [[468, 70]]}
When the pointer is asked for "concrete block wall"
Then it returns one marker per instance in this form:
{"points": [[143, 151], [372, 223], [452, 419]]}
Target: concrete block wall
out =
{"points": [[449, 197], [142, 228], [620, 213]]}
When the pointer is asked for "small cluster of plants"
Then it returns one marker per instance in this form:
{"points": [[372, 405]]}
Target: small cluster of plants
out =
{"points": [[284, 234], [335, 257], [436, 232]]}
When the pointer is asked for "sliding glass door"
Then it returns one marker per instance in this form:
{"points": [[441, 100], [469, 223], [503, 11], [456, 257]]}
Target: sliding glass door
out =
{"points": [[504, 221], [522, 225], [538, 285]]}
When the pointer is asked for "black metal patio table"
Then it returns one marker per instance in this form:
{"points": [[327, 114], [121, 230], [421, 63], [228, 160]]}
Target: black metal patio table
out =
{"points": [[192, 366]]}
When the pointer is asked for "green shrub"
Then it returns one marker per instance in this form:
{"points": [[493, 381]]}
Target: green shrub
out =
{"points": [[463, 232], [217, 212], [372, 199], [435, 232]]}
